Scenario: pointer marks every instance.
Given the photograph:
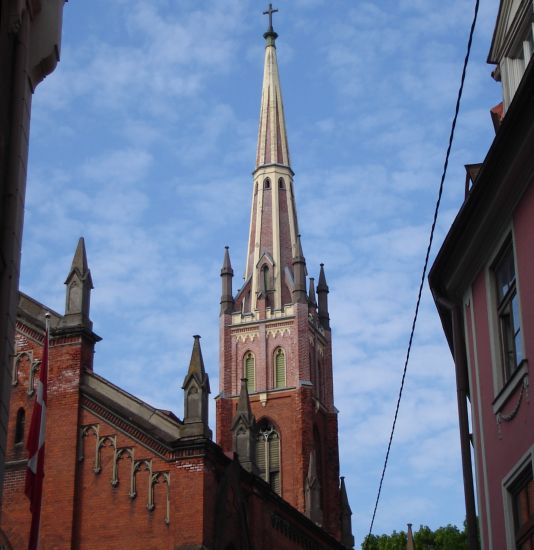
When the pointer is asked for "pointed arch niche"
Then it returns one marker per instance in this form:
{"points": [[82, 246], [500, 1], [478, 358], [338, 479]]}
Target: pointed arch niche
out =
{"points": [[20, 426], [268, 454]]}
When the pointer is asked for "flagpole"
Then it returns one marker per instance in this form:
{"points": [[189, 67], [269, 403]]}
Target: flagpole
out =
{"points": [[36, 445]]}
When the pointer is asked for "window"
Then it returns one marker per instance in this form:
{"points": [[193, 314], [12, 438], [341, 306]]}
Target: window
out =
{"points": [[250, 372], [19, 426], [268, 455], [513, 65], [522, 498], [508, 312], [281, 183], [267, 184], [279, 368]]}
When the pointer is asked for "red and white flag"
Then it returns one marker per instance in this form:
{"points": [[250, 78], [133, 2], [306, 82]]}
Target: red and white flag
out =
{"points": [[36, 449]]}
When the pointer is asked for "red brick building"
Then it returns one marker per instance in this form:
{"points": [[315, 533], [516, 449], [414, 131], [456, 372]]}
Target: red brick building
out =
{"points": [[483, 285], [122, 474]]}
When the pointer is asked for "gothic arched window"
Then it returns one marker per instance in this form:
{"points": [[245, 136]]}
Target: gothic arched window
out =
{"points": [[268, 455], [281, 183], [249, 369], [267, 183], [279, 368], [19, 426]]}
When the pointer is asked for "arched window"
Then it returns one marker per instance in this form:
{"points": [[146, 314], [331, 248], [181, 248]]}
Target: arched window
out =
{"points": [[281, 183], [280, 369], [267, 183], [250, 371], [19, 426], [268, 455]]}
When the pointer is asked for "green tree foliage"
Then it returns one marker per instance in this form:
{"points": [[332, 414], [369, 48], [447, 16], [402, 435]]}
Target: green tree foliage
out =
{"points": [[444, 538]]}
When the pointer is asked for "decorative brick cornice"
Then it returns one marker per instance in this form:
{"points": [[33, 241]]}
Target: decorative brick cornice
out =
{"points": [[31, 333], [55, 341], [126, 427], [181, 450]]}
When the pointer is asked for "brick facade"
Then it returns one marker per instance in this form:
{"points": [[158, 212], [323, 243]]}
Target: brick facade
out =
{"points": [[120, 474]]}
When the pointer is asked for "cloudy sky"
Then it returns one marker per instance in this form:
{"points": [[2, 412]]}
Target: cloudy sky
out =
{"points": [[143, 141]]}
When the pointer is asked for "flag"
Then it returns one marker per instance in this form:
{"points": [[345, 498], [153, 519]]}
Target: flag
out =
{"points": [[36, 448]]}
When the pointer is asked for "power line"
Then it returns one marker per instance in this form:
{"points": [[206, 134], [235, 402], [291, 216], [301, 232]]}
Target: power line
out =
{"points": [[421, 285]]}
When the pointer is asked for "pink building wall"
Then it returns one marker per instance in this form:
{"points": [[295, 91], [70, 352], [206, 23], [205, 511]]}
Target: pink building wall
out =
{"points": [[499, 445]]}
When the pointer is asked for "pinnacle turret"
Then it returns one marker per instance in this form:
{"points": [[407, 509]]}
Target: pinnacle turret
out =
{"points": [[227, 274], [322, 292], [311, 294], [243, 425], [79, 285], [196, 388], [299, 274]]}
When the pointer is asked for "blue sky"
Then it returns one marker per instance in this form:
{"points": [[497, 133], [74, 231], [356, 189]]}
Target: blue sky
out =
{"points": [[143, 141]]}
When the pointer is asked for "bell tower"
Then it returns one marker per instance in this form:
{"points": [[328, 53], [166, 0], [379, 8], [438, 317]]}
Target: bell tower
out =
{"points": [[275, 339]]}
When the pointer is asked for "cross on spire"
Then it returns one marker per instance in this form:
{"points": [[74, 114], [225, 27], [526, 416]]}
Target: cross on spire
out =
{"points": [[270, 12]]}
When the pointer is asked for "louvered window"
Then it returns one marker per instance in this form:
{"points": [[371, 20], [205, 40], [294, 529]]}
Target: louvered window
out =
{"points": [[280, 369], [268, 456], [250, 372]]}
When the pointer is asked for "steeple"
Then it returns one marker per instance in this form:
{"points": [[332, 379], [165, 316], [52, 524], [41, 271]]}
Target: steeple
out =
{"points": [[79, 286], [272, 139], [286, 429], [196, 388], [227, 273], [273, 222], [243, 425]]}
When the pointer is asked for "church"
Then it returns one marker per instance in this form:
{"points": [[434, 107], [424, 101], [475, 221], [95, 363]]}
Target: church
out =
{"points": [[120, 473]]}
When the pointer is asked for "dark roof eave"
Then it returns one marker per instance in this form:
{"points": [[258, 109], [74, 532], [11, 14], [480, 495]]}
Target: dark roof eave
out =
{"points": [[501, 148]]}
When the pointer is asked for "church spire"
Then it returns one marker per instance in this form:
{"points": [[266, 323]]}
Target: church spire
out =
{"points": [[272, 140], [271, 335], [273, 223]]}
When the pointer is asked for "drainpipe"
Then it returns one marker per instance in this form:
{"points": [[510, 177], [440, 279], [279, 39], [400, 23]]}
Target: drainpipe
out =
{"points": [[462, 385]]}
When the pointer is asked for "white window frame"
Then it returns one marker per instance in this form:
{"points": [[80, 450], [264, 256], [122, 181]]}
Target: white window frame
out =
{"points": [[502, 389], [508, 504], [517, 56]]}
